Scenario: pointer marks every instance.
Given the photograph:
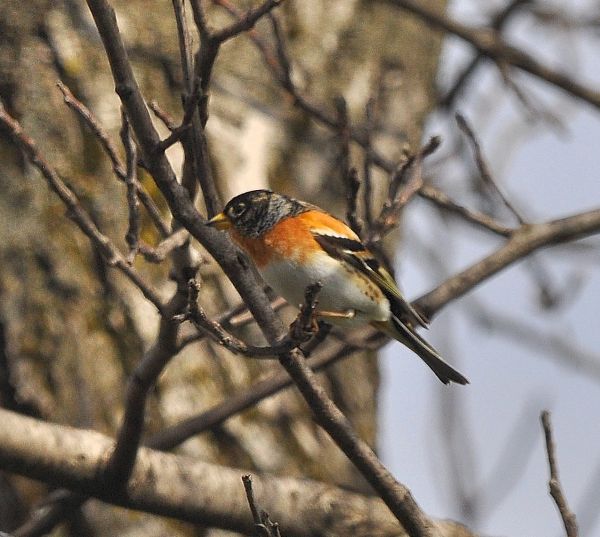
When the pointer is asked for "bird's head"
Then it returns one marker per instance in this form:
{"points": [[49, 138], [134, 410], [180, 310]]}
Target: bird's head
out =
{"points": [[254, 212]]}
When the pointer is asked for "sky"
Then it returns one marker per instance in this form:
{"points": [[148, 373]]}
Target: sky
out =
{"points": [[499, 456]]}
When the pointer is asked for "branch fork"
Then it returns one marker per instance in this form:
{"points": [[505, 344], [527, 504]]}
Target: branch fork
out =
{"points": [[302, 329]]}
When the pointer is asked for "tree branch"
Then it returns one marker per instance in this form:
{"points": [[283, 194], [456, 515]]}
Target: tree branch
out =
{"points": [[568, 517], [303, 329], [524, 241], [187, 489], [489, 43]]}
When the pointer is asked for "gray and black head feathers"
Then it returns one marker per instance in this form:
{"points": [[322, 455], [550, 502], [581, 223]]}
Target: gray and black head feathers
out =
{"points": [[254, 212]]}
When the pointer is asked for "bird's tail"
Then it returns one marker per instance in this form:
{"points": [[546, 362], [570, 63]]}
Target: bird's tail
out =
{"points": [[407, 336]]}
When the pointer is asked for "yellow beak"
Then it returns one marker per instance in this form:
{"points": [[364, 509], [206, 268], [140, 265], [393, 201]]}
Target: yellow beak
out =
{"points": [[219, 221]]}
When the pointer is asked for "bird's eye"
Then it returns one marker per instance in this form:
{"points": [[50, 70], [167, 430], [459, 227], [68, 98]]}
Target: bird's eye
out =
{"points": [[237, 210]]}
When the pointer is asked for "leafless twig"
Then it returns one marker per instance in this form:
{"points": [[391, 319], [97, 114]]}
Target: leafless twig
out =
{"points": [[368, 162], [132, 237], [165, 247], [498, 23], [405, 182], [76, 212], [489, 43], [262, 523], [107, 145], [348, 173], [568, 517], [446, 204], [484, 170], [301, 331]]}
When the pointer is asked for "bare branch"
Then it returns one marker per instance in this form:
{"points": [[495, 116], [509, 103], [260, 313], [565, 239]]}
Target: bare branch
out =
{"points": [[246, 21], [120, 465], [348, 174], [164, 248], [188, 489], [163, 115], [568, 517], [352, 187], [302, 330], [179, 131], [185, 45], [446, 204], [368, 158], [236, 317], [406, 181], [482, 166], [524, 241]]}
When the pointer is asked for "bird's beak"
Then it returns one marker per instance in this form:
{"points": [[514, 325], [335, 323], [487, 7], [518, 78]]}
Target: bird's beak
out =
{"points": [[220, 221]]}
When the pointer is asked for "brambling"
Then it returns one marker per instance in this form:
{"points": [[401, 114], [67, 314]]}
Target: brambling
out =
{"points": [[294, 244]]}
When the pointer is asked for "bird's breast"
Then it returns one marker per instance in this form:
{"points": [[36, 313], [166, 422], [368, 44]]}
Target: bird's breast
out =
{"points": [[344, 288]]}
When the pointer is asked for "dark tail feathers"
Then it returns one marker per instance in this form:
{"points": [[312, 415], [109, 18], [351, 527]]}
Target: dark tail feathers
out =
{"points": [[406, 335]]}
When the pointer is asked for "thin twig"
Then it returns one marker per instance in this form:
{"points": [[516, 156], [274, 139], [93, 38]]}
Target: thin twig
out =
{"points": [[109, 148], [368, 161], [132, 237], [498, 23], [405, 182], [163, 115], [236, 317], [484, 170], [247, 480], [262, 523], [185, 44], [179, 131], [489, 43], [165, 247], [348, 174], [302, 330], [75, 211], [246, 21], [568, 517], [352, 188]]}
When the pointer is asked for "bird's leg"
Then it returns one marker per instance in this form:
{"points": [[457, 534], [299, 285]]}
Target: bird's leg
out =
{"points": [[348, 314]]}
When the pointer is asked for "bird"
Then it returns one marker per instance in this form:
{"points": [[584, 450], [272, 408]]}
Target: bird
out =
{"points": [[294, 244]]}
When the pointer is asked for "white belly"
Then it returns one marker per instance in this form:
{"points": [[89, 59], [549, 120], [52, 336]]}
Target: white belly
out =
{"points": [[342, 289]]}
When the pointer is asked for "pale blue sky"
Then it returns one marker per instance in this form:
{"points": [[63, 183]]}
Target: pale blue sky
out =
{"points": [[552, 174]]}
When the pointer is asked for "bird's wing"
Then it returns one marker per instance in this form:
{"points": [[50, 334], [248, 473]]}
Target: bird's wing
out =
{"points": [[354, 252]]}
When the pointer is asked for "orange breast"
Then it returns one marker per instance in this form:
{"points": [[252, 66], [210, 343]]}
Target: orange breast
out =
{"points": [[291, 238]]}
